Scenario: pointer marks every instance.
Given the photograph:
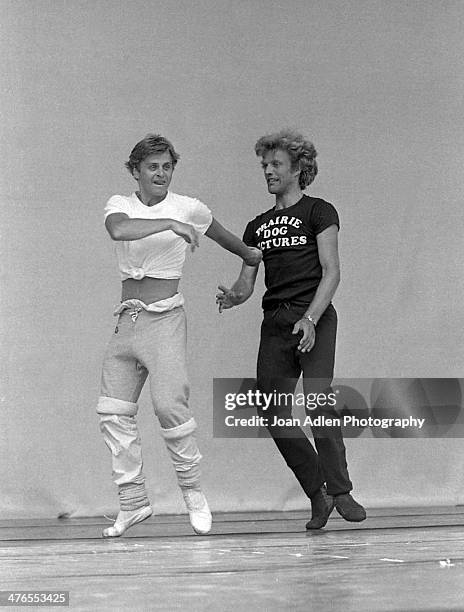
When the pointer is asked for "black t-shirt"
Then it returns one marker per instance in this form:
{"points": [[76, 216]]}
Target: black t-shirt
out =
{"points": [[287, 238]]}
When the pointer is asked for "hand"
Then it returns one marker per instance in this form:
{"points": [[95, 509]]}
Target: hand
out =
{"points": [[253, 257], [187, 232], [227, 298], [309, 334]]}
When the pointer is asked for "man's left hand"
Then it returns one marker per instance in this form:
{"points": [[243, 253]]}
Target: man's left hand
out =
{"points": [[309, 334]]}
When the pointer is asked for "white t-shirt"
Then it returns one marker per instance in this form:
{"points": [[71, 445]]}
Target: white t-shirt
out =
{"points": [[160, 255]]}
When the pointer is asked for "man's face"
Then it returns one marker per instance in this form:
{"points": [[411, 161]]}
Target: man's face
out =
{"points": [[154, 175], [278, 172]]}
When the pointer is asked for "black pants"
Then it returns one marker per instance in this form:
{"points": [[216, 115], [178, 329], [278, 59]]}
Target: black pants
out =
{"points": [[280, 365]]}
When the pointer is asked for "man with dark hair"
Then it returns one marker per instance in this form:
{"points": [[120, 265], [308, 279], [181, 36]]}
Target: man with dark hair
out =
{"points": [[152, 229], [298, 239]]}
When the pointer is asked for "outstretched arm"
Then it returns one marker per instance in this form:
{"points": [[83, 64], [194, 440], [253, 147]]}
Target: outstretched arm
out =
{"points": [[240, 290], [121, 227], [327, 246], [250, 255]]}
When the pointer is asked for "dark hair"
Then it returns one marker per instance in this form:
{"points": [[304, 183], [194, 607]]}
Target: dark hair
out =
{"points": [[301, 151], [152, 143]]}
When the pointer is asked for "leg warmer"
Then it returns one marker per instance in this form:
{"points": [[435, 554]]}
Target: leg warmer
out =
{"points": [[119, 428], [185, 455], [133, 495]]}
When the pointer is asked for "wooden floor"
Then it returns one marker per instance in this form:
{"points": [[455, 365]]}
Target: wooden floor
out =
{"points": [[398, 559]]}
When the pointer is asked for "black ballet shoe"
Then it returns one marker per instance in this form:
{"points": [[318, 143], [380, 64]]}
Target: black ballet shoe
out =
{"points": [[349, 508], [322, 505]]}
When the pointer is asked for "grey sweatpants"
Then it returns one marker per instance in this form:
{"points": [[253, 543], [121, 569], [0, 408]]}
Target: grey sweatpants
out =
{"points": [[148, 344]]}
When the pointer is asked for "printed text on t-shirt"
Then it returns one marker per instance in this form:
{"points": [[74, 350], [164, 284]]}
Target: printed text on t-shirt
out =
{"points": [[274, 233]]}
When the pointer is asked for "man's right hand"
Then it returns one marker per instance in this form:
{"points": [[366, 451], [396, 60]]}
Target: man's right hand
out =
{"points": [[187, 232], [227, 298]]}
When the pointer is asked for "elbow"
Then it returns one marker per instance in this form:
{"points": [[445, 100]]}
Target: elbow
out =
{"points": [[115, 232]]}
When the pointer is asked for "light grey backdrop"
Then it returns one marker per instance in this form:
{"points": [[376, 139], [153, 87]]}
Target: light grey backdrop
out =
{"points": [[378, 86]]}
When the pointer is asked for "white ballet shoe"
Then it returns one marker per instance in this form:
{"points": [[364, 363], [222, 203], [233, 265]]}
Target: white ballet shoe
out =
{"points": [[125, 520], [198, 509]]}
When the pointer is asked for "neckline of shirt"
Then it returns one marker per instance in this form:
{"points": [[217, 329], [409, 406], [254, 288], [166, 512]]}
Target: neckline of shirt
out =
{"points": [[136, 198], [282, 211]]}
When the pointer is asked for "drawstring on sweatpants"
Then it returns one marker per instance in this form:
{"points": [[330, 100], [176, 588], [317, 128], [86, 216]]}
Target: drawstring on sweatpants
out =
{"points": [[135, 313]]}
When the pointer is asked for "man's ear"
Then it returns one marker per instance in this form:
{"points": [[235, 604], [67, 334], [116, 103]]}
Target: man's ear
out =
{"points": [[136, 173]]}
